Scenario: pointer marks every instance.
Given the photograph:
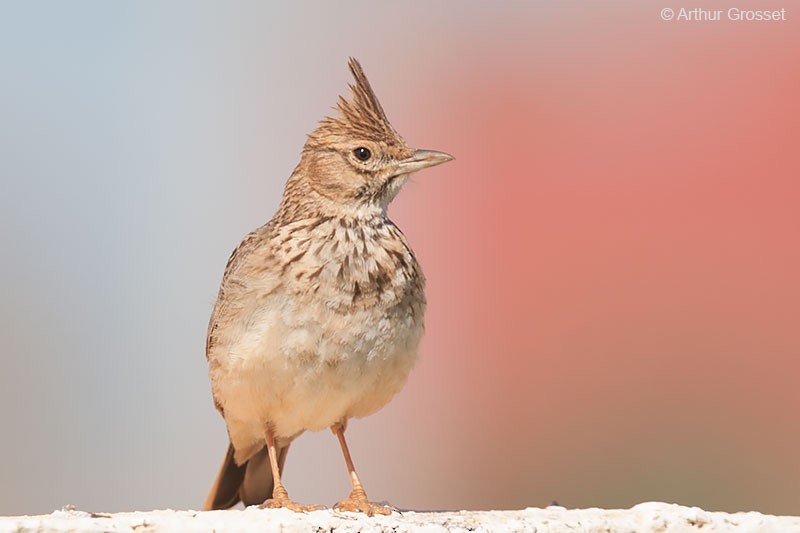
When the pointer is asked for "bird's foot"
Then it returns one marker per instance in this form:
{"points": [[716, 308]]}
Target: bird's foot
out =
{"points": [[357, 503], [285, 503]]}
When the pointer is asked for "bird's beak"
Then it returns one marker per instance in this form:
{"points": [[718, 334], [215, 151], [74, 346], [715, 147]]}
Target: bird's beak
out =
{"points": [[422, 159]]}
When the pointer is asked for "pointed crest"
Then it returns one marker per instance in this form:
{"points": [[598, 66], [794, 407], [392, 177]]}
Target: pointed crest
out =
{"points": [[361, 116], [364, 97]]}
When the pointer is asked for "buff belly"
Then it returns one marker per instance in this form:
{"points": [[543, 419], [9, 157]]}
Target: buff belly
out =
{"points": [[296, 365]]}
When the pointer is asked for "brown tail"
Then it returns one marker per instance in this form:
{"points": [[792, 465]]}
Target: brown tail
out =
{"points": [[250, 483]]}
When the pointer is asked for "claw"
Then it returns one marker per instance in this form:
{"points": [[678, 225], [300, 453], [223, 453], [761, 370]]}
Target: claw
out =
{"points": [[362, 505], [286, 503]]}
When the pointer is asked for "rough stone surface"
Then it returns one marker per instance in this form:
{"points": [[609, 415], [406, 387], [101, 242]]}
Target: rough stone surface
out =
{"points": [[643, 518]]}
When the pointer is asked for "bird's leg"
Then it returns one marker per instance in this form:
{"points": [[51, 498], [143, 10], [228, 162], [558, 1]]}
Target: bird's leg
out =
{"points": [[280, 497], [357, 501]]}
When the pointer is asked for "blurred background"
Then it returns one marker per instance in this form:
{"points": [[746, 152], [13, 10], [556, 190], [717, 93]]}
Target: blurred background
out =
{"points": [[612, 259]]}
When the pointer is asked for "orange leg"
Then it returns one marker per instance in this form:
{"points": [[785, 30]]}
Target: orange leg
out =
{"points": [[357, 501], [280, 497]]}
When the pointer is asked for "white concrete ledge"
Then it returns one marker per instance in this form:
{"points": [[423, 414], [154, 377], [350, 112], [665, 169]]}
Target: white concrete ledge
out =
{"points": [[643, 518]]}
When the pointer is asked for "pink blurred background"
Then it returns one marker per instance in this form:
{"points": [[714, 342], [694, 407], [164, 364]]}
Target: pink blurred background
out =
{"points": [[612, 258]]}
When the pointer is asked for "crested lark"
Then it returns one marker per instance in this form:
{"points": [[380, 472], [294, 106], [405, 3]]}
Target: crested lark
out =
{"points": [[320, 311]]}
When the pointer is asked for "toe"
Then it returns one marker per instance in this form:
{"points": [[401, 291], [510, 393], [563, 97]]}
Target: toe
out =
{"points": [[285, 503], [362, 506]]}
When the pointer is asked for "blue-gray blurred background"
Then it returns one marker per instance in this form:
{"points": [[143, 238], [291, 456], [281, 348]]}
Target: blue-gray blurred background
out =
{"points": [[139, 141]]}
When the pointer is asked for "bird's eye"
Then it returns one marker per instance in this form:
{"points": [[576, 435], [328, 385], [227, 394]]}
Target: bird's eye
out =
{"points": [[362, 154]]}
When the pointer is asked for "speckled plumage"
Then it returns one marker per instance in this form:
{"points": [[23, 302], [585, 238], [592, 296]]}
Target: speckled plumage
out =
{"points": [[317, 322], [320, 311]]}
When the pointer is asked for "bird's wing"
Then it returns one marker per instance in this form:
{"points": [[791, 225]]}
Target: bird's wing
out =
{"points": [[248, 277]]}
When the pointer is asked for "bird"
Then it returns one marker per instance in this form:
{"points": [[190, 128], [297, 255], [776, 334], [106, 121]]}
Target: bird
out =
{"points": [[320, 311]]}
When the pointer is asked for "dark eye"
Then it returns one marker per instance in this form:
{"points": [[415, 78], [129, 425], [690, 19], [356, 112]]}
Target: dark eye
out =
{"points": [[362, 154]]}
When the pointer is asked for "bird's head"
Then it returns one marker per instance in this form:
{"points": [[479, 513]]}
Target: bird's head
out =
{"points": [[357, 158]]}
